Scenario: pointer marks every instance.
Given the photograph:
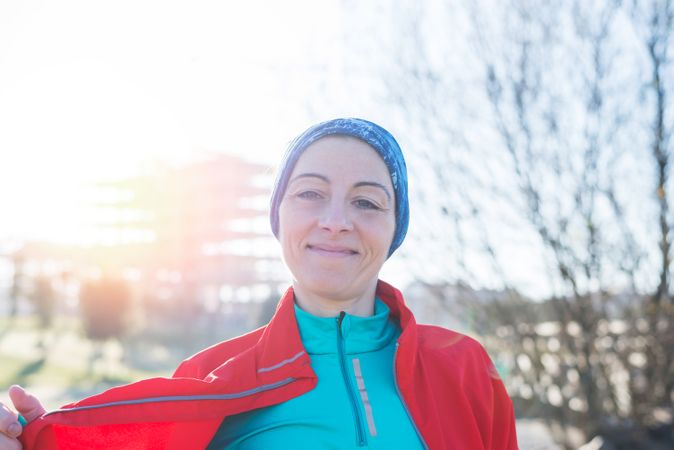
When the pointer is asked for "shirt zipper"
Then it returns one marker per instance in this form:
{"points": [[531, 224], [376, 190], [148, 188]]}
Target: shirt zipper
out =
{"points": [[360, 435], [402, 399]]}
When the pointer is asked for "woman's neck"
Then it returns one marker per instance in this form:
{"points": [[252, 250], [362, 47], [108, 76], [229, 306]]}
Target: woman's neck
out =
{"points": [[320, 306]]}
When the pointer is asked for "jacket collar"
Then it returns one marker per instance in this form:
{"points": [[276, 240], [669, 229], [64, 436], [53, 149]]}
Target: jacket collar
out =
{"points": [[279, 352], [407, 342]]}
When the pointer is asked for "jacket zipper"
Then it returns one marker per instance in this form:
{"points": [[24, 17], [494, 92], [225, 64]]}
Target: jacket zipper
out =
{"points": [[360, 435], [178, 398], [402, 399]]}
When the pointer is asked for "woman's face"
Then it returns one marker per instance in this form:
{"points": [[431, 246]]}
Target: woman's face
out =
{"points": [[337, 219]]}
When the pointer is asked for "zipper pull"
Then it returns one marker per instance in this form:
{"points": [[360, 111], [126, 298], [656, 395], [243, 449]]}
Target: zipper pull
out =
{"points": [[340, 318]]}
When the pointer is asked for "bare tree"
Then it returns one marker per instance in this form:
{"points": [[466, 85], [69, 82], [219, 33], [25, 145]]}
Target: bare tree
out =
{"points": [[652, 383], [105, 306], [17, 287], [43, 298]]}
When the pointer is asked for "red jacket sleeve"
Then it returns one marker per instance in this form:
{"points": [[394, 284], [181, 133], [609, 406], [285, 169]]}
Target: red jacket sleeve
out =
{"points": [[503, 434]]}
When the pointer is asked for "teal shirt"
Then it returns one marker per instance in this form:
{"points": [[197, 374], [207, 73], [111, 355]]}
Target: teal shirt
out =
{"points": [[355, 403]]}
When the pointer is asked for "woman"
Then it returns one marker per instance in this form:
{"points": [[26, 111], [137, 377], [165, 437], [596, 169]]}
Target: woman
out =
{"points": [[342, 364]]}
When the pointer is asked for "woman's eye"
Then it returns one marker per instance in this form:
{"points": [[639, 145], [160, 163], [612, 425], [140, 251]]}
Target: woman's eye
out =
{"points": [[309, 195], [365, 204]]}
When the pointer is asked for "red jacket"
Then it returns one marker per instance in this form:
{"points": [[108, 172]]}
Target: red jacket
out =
{"points": [[447, 381]]}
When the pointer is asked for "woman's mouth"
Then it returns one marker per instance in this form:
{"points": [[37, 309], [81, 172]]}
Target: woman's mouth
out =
{"points": [[331, 250]]}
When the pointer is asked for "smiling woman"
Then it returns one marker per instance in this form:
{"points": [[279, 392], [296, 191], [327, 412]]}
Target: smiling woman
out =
{"points": [[341, 364]]}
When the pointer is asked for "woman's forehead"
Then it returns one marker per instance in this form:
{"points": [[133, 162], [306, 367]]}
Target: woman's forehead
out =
{"points": [[342, 153]]}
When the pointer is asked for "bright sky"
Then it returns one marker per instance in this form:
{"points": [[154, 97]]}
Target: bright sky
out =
{"points": [[92, 90]]}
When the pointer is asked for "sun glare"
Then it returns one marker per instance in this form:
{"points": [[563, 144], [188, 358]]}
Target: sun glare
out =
{"points": [[74, 126], [89, 93]]}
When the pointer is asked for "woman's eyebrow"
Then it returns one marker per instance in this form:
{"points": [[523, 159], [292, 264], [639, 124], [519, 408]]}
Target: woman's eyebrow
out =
{"points": [[375, 184], [310, 175]]}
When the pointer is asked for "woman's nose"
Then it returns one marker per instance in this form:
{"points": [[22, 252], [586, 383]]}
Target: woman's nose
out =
{"points": [[335, 218]]}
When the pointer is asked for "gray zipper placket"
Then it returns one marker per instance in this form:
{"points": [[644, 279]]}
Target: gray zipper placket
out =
{"points": [[178, 398], [360, 434], [402, 399]]}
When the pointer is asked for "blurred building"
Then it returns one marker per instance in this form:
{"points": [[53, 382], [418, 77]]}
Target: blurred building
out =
{"points": [[203, 224], [191, 240]]}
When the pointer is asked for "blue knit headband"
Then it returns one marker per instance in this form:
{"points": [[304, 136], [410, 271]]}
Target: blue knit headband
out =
{"points": [[374, 135]]}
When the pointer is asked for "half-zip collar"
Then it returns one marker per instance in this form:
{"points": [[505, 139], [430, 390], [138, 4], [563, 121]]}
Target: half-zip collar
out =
{"points": [[359, 334]]}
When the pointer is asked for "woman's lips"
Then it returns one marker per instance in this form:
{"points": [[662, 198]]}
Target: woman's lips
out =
{"points": [[332, 251]]}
